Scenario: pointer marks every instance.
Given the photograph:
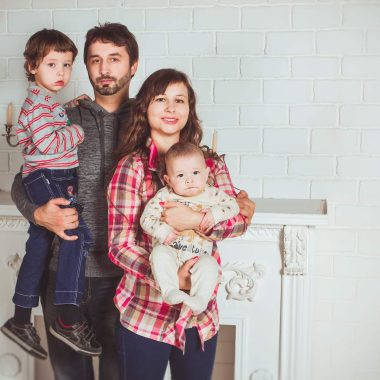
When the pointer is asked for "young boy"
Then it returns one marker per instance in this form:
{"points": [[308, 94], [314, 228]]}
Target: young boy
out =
{"points": [[187, 176], [49, 144]]}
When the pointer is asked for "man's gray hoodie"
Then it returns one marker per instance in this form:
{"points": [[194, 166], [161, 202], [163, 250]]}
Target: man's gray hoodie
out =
{"points": [[95, 163]]}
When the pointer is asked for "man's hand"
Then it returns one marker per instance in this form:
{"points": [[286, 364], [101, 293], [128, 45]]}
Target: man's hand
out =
{"points": [[184, 279], [247, 207], [57, 219]]}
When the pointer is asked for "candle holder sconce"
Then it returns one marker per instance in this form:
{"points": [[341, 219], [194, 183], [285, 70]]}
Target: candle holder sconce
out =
{"points": [[8, 135]]}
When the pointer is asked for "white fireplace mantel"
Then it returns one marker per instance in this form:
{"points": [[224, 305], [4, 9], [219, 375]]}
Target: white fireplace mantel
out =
{"points": [[266, 291]]}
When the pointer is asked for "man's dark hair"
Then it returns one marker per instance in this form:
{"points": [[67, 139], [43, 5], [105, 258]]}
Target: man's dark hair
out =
{"points": [[41, 43], [116, 33]]}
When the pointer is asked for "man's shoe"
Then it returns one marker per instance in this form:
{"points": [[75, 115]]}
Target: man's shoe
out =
{"points": [[25, 336], [80, 337]]}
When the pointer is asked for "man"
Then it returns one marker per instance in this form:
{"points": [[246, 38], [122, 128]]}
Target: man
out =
{"points": [[111, 58]]}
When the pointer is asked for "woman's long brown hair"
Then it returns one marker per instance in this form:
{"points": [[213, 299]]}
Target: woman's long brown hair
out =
{"points": [[133, 137]]}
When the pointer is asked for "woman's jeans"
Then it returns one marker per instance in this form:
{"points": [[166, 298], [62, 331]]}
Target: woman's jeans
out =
{"points": [[146, 359], [41, 186]]}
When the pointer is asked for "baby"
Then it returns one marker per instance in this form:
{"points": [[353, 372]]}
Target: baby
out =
{"points": [[187, 175]]}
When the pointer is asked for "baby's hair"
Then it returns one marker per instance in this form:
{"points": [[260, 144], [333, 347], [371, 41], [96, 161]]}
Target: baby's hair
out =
{"points": [[182, 149], [41, 43]]}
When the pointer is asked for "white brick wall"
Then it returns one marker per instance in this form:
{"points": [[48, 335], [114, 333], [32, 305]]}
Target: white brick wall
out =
{"points": [[293, 89]]}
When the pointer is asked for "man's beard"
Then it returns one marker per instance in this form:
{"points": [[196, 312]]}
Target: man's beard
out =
{"points": [[112, 88]]}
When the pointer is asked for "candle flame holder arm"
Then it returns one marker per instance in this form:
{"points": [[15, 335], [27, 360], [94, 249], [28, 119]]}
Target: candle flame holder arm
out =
{"points": [[8, 135]]}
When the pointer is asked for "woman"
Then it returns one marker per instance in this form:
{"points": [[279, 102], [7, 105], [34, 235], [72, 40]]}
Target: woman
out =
{"points": [[151, 333]]}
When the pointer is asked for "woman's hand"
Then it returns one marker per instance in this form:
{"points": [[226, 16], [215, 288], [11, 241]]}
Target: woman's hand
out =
{"points": [[247, 207], [184, 275], [180, 217]]}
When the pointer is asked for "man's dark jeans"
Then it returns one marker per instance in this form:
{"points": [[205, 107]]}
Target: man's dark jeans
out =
{"points": [[41, 186], [98, 307]]}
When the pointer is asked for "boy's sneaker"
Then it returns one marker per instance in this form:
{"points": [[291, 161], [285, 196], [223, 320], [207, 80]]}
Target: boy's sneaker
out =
{"points": [[80, 337], [25, 336]]}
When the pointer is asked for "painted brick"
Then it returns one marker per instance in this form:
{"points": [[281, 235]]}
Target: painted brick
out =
{"points": [[311, 166], [316, 16], [15, 92], [251, 185], [312, 116], [6, 181], [204, 91], [356, 266], [16, 69], [335, 289], [292, 141], [99, 3], [368, 289], [287, 91], [266, 18], [216, 18], [11, 4], [360, 115], [357, 311], [323, 311], [363, 15], [12, 46], [4, 162], [3, 69], [133, 18], [286, 188], [370, 142], [53, 4], [339, 42], [151, 44], [265, 67], [263, 115], [239, 140], [263, 166], [193, 44], [315, 67], [334, 240], [334, 141], [342, 91], [361, 67], [2, 22], [358, 166], [372, 91], [369, 192], [334, 190], [372, 41], [219, 116], [369, 242], [237, 91], [146, 3], [357, 216], [323, 265], [79, 20], [289, 43], [175, 19], [180, 63], [239, 43], [216, 67], [193, 2]]}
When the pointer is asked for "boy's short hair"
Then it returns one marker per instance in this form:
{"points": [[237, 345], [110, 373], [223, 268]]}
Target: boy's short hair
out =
{"points": [[41, 43], [182, 149], [115, 33]]}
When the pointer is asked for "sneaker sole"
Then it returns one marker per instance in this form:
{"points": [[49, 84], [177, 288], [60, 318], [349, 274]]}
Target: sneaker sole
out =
{"points": [[22, 344], [72, 345]]}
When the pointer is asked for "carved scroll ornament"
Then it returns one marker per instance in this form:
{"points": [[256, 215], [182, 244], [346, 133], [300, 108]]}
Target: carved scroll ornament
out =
{"points": [[295, 250], [242, 285]]}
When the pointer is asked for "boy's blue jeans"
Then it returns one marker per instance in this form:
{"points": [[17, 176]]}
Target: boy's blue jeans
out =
{"points": [[41, 186]]}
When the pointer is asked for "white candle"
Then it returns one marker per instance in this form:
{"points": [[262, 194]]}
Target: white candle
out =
{"points": [[9, 114], [214, 143]]}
